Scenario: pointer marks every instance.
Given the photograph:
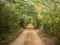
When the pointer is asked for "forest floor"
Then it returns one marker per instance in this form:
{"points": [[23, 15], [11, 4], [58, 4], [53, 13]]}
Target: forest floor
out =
{"points": [[30, 36]]}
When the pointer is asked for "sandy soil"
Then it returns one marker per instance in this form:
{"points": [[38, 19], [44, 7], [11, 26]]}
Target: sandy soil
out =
{"points": [[31, 37]]}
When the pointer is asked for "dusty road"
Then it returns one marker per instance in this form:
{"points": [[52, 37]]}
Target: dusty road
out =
{"points": [[29, 37]]}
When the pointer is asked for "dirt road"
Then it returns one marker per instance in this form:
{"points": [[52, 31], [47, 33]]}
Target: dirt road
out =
{"points": [[29, 37]]}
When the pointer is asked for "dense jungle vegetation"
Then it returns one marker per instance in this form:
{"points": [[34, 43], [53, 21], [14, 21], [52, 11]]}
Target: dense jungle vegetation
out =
{"points": [[16, 14]]}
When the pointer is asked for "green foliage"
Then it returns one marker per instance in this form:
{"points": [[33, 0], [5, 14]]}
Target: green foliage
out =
{"points": [[51, 19], [43, 14], [14, 14]]}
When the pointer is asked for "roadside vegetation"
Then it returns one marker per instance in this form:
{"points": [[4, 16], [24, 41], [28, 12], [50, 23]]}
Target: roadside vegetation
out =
{"points": [[16, 14]]}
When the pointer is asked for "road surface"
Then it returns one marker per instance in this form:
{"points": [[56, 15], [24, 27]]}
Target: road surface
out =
{"points": [[30, 37]]}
